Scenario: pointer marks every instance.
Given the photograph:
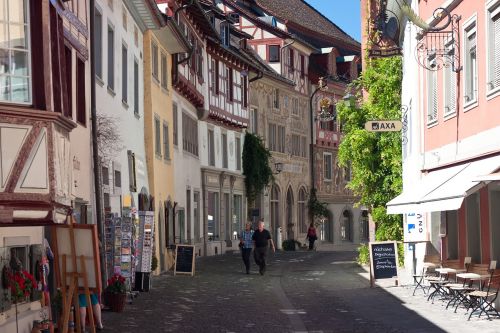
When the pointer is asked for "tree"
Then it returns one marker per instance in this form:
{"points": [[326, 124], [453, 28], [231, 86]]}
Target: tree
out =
{"points": [[255, 166], [375, 157]]}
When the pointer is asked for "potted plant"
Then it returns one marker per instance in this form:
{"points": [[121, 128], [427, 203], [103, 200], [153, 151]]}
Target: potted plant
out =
{"points": [[116, 293], [21, 285]]}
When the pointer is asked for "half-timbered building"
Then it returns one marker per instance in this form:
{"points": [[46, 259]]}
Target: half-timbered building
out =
{"points": [[45, 154]]}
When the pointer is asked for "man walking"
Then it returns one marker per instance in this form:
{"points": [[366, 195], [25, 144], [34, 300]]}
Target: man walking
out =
{"points": [[261, 239], [246, 245]]}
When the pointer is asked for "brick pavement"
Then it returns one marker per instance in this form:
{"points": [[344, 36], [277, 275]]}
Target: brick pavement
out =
{"points": [[301, 292]]}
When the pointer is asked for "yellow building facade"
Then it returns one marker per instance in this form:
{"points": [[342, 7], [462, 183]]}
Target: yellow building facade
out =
{"points": [[159, 46]]}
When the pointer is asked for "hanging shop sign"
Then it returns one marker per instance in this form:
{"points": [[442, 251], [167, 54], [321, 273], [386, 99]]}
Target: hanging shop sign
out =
{"points": [[384, 126]]}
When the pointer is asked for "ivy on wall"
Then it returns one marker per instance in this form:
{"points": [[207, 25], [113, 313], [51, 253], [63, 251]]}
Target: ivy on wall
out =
{"points": [[316, 208], [255, 166]]}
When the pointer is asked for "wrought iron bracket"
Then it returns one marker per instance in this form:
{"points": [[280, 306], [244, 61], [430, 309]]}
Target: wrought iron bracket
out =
{"points": [[404, 121], [439, 47]]}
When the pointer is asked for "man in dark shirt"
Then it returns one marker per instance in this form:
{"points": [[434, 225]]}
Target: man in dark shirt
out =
{"points": [[261, 238]]}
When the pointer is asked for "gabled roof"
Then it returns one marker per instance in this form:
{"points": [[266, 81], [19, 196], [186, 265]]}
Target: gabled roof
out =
{"points": [[301, 16]]}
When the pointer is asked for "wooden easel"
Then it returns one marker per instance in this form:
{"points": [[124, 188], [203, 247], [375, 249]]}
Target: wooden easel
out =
{"points": [[70, 296]]}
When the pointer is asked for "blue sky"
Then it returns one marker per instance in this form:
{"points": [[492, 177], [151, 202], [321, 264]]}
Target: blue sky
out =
{"points": [[344, 13]]}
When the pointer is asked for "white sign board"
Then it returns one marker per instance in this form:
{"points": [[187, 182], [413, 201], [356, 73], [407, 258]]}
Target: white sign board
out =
{"points": [[383, 126], [415, 228]]}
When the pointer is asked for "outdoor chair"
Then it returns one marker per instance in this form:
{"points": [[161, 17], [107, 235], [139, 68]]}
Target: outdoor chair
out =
{"points": [[483, 300], [428, 272], [475, 273]]}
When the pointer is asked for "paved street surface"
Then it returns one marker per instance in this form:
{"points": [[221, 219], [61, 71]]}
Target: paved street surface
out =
{"points": [[300, 292]]}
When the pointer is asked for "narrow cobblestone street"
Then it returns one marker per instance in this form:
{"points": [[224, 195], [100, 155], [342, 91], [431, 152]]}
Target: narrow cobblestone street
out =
{"points": [[300, 292]]}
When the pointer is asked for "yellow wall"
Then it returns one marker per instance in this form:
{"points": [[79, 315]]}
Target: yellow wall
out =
{"points": [[158, 102]]}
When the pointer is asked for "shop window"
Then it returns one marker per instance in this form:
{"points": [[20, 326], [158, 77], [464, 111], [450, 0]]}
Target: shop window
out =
{"points": [[228, 215], [237, 215], [196, 216], [494, 197], [452, 234], [182, 226], [213, 222]]}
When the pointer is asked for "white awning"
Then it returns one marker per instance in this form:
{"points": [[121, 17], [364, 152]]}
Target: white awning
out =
{"points": [[492, 177], [444, 189]]}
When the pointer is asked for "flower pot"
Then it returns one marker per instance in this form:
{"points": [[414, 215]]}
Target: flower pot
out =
{"points": [[116, 301]]}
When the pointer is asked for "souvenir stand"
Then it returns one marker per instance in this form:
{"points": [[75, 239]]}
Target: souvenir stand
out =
{"points": [[145, 243]]}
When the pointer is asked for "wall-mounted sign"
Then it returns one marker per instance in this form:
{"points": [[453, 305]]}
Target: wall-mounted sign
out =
{"points": [[415, 228], [384, 126]]}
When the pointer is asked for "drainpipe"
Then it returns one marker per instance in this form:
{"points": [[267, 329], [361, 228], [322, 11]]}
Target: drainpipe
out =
{"points": [[95, 152]]}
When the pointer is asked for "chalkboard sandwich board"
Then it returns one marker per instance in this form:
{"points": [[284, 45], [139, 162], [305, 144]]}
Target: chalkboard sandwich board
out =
{"points": [[184, 259], [383, 261]]}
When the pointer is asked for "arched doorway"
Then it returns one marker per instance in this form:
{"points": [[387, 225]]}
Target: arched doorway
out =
{"points": [[346, 226], [275, 210], [328, 228], [289, 214]]}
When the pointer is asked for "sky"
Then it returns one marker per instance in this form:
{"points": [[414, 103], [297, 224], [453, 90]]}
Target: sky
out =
{"points": [[344, 13]]}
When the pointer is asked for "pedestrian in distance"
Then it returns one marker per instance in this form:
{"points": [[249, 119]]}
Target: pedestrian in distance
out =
{"points": [[246, 245], [311, 235], [261, 240]]}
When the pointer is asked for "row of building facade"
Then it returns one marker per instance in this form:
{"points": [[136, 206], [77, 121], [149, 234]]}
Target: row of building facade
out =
{"points": [[113, 107]]}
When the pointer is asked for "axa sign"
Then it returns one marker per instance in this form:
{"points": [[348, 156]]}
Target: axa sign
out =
{"points": [[384, 126]]}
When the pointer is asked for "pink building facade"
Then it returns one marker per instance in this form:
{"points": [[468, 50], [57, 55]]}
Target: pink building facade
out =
{"points": [[452, 148]]}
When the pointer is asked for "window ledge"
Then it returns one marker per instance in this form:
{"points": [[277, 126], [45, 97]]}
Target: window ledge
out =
{"points": [[470, 105], [432, 123], [449, 116], [155, 80], [99, 81], [125, 104], [165, 90], [490, 94], [158, 156], [137, 115], [327, 180], [111, 91]]}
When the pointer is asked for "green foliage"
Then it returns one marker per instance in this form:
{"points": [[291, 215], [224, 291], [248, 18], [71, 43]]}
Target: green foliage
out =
{"points": [[375, 157], [363, 255], [316, 208], [255, 166]]}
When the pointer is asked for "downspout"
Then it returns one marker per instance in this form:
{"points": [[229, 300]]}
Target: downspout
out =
{"points": [[311, 130], [259, 76], [95, 151]]}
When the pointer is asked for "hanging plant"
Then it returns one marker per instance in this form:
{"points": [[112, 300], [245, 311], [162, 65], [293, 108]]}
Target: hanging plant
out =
{"points": [[255, 166], [316, 208]]}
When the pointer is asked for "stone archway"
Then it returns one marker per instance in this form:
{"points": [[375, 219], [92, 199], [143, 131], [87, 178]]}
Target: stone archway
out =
{"points": [[346, 227]]}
